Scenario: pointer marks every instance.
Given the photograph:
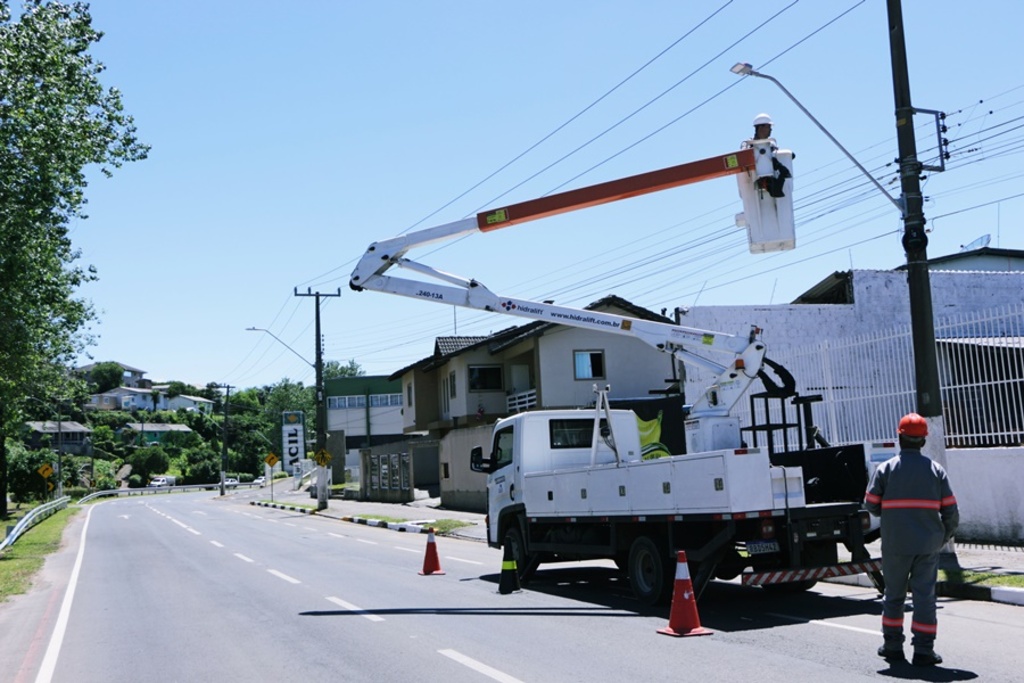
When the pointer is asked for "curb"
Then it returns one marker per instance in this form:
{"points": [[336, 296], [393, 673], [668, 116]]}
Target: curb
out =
{"points": [[945, 589], [417, 527], [281, 506]]}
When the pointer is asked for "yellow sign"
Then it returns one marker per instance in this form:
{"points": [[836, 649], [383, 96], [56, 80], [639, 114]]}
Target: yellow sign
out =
{"points": [[271, 459], [45, 470], [322, 457], [49, 486]]}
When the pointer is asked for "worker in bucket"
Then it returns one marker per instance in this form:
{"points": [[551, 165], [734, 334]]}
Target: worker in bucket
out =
{"points": [[763, 131], [912, 495]]}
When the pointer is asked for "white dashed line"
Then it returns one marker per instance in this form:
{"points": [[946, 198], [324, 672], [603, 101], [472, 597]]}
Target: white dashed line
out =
{"points": [[219, 545], [244, 558], [479, 667], [284, 577], [193, 531], [352, 608], [818, 622], [331, 533], [367, 542], [408, 550], [459, 559]]}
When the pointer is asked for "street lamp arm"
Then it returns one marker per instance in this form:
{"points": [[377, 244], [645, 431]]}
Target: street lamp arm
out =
{"points": [[744, 69], [260, 329]]}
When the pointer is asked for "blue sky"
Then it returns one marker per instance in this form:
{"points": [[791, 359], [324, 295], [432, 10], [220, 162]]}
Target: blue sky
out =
{"points": [[288, 136]]}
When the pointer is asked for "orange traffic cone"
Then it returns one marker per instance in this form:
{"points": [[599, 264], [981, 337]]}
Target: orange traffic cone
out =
{"points": [[509, 580], [431, 564], [683, 620]]}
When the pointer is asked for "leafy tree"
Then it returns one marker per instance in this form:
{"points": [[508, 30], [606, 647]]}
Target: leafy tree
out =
{"points": [[202, 466], [56, 119], [106, 376], [103, 478], [147, 461], [334, 369], [23, 472]]}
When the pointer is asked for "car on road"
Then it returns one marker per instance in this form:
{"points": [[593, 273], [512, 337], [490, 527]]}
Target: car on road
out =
{"points": [[158, 481], [259, 481], [231, 482]]}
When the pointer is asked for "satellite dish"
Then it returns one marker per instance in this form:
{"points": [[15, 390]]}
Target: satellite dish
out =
{"points": [[979, 243]]}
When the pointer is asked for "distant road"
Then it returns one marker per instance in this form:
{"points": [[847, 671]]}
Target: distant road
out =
{"points": [[193, 587]]}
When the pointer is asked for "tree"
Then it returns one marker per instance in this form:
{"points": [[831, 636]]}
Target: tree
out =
{"points": [[56, 120], [106, 376], [334, 369]]}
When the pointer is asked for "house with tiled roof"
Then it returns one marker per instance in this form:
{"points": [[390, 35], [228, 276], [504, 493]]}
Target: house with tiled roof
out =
{"points": [[473, 380]]}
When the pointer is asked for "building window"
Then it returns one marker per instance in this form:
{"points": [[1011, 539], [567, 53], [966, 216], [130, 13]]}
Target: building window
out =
{"points": [[335, 402], [485, 378], [395, 400], [588, 364], [408, 394], [451, 384]]}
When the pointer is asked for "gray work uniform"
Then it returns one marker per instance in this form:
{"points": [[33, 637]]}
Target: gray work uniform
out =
{"points": [[919, 515]]}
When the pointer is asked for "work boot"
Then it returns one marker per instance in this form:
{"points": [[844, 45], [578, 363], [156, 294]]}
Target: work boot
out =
{"points": [[926, 659], [891, 654]]}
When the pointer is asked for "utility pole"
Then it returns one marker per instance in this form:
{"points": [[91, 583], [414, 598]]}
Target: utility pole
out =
{"points": [[224, 435], [915, 244], [321, 401]]}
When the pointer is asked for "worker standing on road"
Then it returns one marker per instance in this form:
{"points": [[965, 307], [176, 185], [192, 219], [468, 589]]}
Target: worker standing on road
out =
{"points": [[919, 515]]}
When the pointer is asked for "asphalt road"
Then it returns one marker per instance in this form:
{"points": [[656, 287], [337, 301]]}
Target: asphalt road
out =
{"points": [[192, 587]]}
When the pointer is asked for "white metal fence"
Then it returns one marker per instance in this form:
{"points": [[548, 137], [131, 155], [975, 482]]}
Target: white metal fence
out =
{"points": [[867, 382]]}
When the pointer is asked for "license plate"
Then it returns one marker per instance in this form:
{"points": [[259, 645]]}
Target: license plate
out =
{"points": [[761, 547]]}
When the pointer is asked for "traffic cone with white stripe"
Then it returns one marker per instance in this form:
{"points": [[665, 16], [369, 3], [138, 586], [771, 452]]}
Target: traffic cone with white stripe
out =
{"points": [[431, 563], [509, 580], [683, 620]]}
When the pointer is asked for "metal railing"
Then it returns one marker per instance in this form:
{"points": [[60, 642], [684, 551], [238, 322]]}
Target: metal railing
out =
{"points": [[866, 382], [36, 515], [153, 490], [521, 401]]}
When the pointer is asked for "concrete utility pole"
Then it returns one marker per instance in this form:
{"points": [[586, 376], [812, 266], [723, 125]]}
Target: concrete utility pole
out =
{"points": [[915, 244], [224, 435], [321, 401]]}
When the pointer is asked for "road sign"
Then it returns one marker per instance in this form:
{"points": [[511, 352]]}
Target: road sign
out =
{"points": [[49, 486], [322, 457], [271, 459], [45, 471]]}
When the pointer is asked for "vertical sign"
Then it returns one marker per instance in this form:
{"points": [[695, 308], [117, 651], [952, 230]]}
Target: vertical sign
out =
{"points": [[293, 440]]}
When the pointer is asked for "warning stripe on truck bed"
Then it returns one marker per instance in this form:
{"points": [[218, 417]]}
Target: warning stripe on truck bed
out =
{"points": [[815, 573]]}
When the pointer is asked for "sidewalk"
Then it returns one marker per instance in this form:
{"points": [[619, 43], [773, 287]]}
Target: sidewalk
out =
{"points": [[981, 558]]}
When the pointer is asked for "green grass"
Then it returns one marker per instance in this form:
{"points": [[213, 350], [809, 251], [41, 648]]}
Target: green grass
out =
{"points": [[22, 560], [982, 578]]}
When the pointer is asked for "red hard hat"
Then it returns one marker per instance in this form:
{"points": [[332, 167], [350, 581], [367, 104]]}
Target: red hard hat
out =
{"points": [[913, 424]]}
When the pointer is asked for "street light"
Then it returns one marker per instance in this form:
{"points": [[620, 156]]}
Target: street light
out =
{"points": [[744, 69], [321, 411]]}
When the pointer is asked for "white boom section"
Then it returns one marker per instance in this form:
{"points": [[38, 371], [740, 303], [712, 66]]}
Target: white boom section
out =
{"points": [[745, 353]]}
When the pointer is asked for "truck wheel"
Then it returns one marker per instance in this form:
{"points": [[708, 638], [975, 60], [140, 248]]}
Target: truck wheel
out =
{"points": [[514, 542], [649, 573]]}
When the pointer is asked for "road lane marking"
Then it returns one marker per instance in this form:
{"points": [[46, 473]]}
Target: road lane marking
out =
{"points": [[192, 531], [49, 663], [331, 533], [367, 542], [243, 557], [819, 622], [408, 550], [288, 524], [309, 528], [459, 559], [285, 577], [353, 608], [479, 667], [219, 545]]}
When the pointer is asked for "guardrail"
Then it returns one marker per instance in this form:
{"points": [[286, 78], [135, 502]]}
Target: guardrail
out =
{"points": [[153, 490], [35, 516]]}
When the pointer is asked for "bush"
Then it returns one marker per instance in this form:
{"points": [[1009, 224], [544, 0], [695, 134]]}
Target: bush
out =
{"points": [[135, 482]]}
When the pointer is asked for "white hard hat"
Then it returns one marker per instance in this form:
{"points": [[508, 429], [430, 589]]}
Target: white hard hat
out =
{"points": [[762, 119]]}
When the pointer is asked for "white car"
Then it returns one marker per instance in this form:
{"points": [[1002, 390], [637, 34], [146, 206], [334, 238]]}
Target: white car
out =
{"points": [[158, 481], [259, 481], [230, 482]]}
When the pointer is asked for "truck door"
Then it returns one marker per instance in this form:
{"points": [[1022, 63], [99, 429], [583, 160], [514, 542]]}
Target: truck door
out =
{"points": [[502, 490]]}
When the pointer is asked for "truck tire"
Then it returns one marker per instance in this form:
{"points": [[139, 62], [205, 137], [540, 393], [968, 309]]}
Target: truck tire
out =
{"points": [[525, 564], [650, 574]]}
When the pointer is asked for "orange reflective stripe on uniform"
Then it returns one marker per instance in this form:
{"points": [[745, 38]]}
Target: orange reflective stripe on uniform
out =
{"points": [[947, 501], [892, 622], [910, 504], [918, 627], [872, 497]]}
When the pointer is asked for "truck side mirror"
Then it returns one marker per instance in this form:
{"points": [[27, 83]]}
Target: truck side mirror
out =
{"points": [[477, 462]]}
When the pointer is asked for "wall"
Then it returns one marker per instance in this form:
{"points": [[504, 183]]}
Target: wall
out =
{"points": [[986, 483], [632, 368], [463, 489]]}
